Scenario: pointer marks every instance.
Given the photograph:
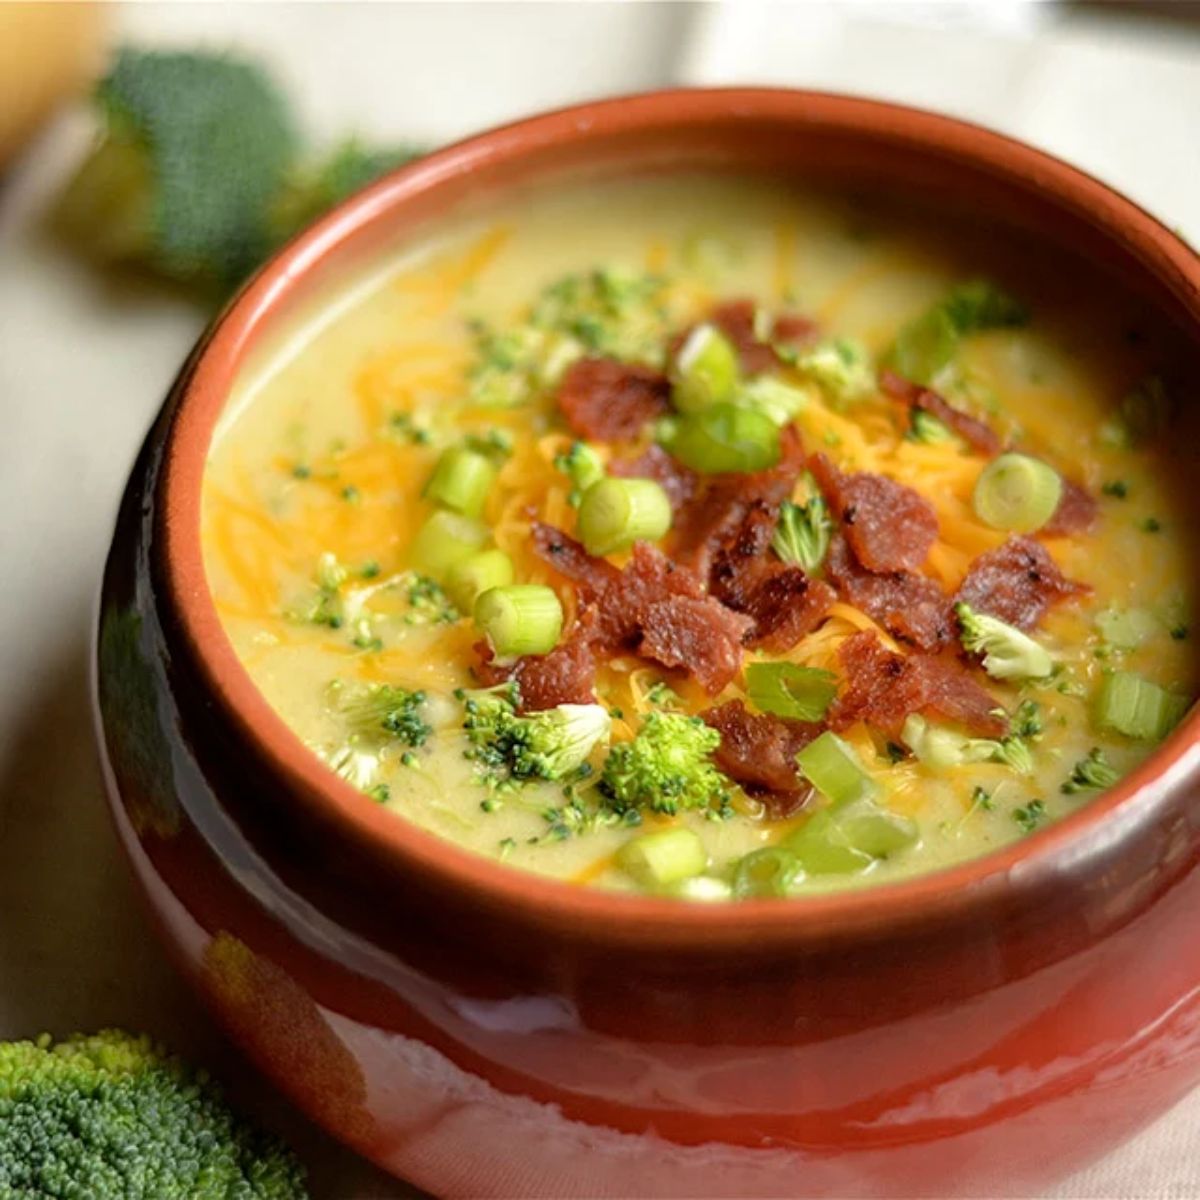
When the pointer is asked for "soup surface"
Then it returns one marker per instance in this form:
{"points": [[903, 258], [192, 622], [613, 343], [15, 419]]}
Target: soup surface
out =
{"points": [[708, 537]]}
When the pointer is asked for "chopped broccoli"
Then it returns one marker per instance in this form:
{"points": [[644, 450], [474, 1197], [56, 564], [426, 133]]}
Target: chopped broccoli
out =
{"points": [[1007, 652], [979, 305], [1027, 721], [428, 603], [383, 712], [841, 367], [926, 428], [115, 1117], [666, 767], [1092, 773], [938, 746], [583, 466], [1030, 816], [197, 175], [513, 366], [802, 536], [542, 745]]}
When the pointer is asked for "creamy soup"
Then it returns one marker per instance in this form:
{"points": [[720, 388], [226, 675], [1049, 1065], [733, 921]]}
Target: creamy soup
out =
{"points": [[712, 538]]}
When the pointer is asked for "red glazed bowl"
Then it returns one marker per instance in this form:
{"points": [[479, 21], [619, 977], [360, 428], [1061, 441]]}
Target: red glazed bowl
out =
{"points": [[484, 1032]]}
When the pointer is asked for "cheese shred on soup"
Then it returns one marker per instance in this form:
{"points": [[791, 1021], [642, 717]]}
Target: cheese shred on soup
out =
{"points": [[714, 539]]}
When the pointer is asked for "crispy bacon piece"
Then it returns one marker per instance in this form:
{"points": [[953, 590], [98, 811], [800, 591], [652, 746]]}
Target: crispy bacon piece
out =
{"points": [[679, 482], [1017, 582], [1076, 512], [911, 607], [608, 401], [718, 511], [759, 752], [889, 526], [697, 634], [735, 319], [566, 675], [882, 689], [590, 574], [976, 433], [783, 602], [654, 607]]}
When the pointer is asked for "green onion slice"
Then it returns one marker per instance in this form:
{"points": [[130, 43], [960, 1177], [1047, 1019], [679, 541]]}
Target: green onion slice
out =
{"points": [[461, 481], [615, 513], [706, 370], [788, 690], [771, 871], [833, 768], [469, 578], [445, 539], [520, 618], [726, 437], [664, 857], [1017, 493], [926, 346], [1138, 708], [823, 849]]}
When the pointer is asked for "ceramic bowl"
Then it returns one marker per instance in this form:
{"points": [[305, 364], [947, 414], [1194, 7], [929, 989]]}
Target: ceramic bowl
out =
{"points": [[485, 1032]]}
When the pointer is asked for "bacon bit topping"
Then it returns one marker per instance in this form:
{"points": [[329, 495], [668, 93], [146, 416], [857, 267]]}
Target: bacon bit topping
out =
{"points": [[679, 482], [1017, 582], [606, 400], [566, 675], [976, 433], [719, 510], [759, 752], [567, 556], [736, 320], [782, 601], [1076, 512], [882, 689], [640, 609], [889, 526], [911, 607], [698, 634]]}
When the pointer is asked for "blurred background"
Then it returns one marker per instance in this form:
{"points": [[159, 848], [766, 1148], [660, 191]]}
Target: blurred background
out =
{"points": [[86, 356]]}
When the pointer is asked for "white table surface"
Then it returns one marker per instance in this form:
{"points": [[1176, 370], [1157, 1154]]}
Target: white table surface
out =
{"points": [[84, 364]]}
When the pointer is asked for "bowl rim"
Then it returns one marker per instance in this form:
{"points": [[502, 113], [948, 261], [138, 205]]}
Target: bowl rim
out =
{"points": [[962, 892]]}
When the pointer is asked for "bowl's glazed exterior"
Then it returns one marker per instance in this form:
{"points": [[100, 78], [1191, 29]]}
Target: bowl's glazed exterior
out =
{"points": [[484, 1032]]}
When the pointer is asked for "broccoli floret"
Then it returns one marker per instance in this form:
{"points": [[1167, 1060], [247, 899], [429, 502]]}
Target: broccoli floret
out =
{"points": [[1030, 816], [583, 466], [841, 367], [802, 536], [193, 150], [666, 767], [313, 190], [114, 1117], [926, 428], [1093, 773], [1007, 652], [384, 712], [543, 745], [938, 746]]}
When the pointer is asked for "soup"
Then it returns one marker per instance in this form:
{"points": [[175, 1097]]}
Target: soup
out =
{"points": [[712, 538]]}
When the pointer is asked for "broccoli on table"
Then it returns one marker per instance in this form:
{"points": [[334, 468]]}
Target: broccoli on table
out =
{"points": [[666, 767], [113, 1117], [198, 173]]}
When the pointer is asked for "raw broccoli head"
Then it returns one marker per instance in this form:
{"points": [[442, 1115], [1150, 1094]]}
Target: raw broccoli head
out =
{"points": [[666, 767], [113, 1117], [194, 149]]}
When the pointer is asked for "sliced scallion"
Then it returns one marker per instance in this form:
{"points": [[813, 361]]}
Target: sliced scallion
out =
{"points": [[1129, 628], [726, 437], [875, 830], [706, 370], [771, 871], [445, 539], [520, 618], [823, 849], [926, 346], [469, 578], [788, 690], [1138, 708], [833, 768], [615, 513], [663, 858], [461, 481], [1017, 493]]}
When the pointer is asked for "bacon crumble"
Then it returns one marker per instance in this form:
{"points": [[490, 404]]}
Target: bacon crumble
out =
{"points": [[607, 401]]}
